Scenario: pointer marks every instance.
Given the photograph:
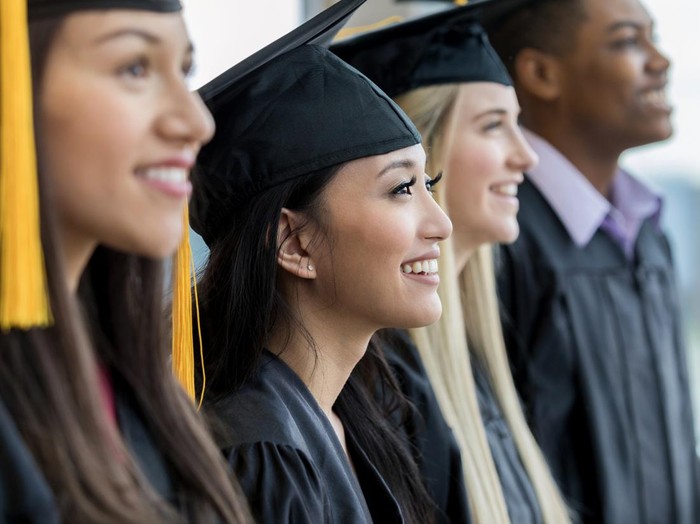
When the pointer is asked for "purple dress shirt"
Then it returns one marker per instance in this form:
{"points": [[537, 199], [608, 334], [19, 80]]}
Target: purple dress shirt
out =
{"points": [[582, 209]]}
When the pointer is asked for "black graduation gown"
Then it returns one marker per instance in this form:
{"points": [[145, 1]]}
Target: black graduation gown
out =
{"points": [[432, 442], [518, 491], [25, 496], [140, 443], [288, 459], [595, 345]]}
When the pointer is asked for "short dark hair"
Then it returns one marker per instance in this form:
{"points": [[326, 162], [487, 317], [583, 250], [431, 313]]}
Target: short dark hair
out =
{"points": [[546, 25]]}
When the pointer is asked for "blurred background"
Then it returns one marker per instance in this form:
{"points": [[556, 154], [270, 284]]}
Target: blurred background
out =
{"points": [[226, 31]]}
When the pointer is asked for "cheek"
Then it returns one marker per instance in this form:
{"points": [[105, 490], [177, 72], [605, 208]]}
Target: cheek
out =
{"points": [[87, 154], [467, 180], [372, 249]]}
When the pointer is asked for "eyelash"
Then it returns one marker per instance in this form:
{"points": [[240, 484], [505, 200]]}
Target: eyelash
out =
{"points": [[430, 184], [404, 188]]}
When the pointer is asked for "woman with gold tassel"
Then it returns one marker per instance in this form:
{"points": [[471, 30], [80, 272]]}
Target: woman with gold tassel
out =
{"points": [[93, 425], [443, 72]]}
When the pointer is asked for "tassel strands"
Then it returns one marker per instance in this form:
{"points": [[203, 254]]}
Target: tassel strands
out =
{"points": [[184, 282], [24, 300]]}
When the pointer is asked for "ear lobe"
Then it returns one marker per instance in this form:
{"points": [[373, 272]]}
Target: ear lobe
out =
{"points": [[291, 249], [538, 74]]}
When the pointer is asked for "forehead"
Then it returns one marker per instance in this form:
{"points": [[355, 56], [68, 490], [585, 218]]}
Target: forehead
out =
{"points": [[359, 172], [93, 28], [485, 96], [604, 16]]}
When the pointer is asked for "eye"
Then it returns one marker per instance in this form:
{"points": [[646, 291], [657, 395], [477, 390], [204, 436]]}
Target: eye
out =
{"points": [[188, 69], [137, 69], [432, 182], [492, 125], [623, 43], [404, 188]]}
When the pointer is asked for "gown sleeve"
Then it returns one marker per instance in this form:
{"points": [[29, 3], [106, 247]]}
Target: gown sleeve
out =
{"points": [[281, 484]]}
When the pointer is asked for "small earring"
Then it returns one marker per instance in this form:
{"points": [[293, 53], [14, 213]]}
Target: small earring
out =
{"points": [[310, 267]]}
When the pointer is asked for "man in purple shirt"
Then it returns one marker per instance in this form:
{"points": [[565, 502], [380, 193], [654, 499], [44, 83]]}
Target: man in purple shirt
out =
{"points": [[591, 316]]}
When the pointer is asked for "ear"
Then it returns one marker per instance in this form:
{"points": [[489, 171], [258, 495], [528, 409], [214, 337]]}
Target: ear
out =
{"points": [[539, 74], [292, 246]]}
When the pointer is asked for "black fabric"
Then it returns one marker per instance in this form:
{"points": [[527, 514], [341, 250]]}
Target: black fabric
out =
{"points": [[518, 491], [486, 11], [24, 494], [46, 8], [319, 30], [304, 111], [140, 443], [595, 345], [288, 459], [447, 47], [431, 440]]}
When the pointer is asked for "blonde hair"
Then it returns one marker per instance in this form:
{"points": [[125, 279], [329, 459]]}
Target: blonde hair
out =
{"points": [[470, 313]]}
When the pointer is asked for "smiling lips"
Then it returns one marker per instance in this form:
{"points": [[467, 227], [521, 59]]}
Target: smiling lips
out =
{"points": [[426, 267], [507, 189], [655, 97], [170, 180], [166, 174]]}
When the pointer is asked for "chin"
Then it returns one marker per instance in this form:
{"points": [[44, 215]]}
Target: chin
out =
{"points": [[157, 249], [429, 314], [507, 235]]}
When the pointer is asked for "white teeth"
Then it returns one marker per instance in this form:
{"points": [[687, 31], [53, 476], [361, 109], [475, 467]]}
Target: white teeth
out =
{"points": [[658, 96], [506, 189], [166, 174], [424, 266]]}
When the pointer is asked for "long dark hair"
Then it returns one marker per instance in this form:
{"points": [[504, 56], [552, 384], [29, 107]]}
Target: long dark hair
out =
{"points": [[49, 382], [241, 303]]}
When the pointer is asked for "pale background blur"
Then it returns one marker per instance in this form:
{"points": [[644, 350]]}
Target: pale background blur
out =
{"points": [[226, 31]]}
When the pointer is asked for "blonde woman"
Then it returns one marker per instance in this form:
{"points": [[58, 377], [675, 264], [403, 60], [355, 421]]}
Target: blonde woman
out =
{"points": [[443, 72]]}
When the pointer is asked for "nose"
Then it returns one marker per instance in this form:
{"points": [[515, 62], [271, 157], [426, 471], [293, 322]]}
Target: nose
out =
{"points": [[435, 223], [186, 118], [522, 157], [658, 63]]}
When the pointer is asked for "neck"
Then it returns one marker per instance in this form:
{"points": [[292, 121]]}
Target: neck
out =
{"points": [[76, 252], [463, 251], [597, 161], [326, 366]]}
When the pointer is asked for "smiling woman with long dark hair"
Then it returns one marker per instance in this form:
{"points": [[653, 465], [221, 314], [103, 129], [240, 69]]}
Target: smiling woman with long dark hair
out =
{"points": [[96, 429], [314, 201]]}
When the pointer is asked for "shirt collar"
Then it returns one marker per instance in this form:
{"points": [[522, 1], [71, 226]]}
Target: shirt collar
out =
{"points": [[579, 206]]}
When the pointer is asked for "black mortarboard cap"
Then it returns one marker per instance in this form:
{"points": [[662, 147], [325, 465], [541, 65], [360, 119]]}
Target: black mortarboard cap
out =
{"points": [[291, 109], [450, 46], [45, 8]]}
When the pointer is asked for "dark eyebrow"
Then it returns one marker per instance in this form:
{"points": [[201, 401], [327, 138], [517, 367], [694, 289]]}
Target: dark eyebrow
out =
{"points": [[628, 24], [119, 33], [399, 164]]}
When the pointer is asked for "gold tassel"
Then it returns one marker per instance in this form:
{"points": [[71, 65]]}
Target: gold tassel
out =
{"points": [[24, 301], [184, 279], [347, 32]]}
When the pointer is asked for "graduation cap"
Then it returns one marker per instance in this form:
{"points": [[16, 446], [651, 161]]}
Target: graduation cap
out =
{"points": [[450, 46], [291, 109], [24, 299], [44, 8]]}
